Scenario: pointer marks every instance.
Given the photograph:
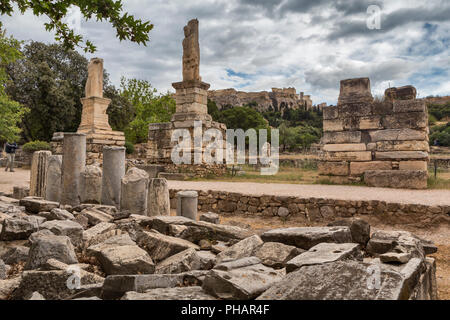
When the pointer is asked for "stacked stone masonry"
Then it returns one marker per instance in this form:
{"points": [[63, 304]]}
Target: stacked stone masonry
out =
{"points": [[383, 142], [317, 209]]}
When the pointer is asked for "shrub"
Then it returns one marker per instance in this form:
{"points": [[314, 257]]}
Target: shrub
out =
{"points": [[34, 146], [129, 147]]}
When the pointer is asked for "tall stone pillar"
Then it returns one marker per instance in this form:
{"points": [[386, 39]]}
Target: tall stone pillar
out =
{"points": [[91, 185], [134, 192], [113, 172], [74, 163], [38, 175], [54, 176], [158, 198]]}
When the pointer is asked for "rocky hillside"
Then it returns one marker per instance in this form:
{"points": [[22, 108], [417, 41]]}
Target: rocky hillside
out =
{"points": [[276, 100]]}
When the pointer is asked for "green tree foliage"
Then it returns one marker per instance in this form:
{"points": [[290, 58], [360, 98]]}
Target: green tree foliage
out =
{"points": [[148, 105], [11, 112], [298, 117], [243, 118], [441, 135], [33, 146], [213, 110], [126, 26], [50, 81], [298, 137], [439, 111]]}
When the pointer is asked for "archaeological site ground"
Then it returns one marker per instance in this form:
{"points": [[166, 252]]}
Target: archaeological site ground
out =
{"points": [[250, 194]]}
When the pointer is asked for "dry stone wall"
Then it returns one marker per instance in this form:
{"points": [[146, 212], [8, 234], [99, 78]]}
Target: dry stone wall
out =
{"points": [[383, 142], [317, 209]]}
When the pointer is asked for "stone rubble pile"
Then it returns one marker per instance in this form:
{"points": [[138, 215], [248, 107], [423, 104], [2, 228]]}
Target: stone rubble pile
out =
{"points": [[91, 251]]}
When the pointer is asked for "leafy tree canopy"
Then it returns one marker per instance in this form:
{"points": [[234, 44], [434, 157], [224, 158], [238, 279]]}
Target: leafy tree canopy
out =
{"points": [[243, 118], [11, 111], [127, 27]]}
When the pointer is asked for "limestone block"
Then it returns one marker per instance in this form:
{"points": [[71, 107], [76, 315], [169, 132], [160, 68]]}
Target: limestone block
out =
{"points": [[330, 113], [367, 123], [401, 93], [412, 120], [333, 168], [413, 145], [409, 106], [342, 137], [397, 134], [399, 155], [134, 192], [333, 125], [158, 198], [407, 179], [187, 204], [358, 168], [344, 147], [382, 108], [354, 110], [413, 165], [348, 156], [354, 91]]}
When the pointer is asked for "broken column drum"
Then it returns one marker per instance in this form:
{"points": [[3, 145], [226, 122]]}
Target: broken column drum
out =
{"points": [[91, 184], [54, 176], [113, 172], [38, 176], [134, 192], [187, 203], [74, 162], [158, 198]]}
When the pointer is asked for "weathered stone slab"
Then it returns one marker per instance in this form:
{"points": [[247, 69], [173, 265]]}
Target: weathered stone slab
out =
{"points": [[241, 284], [160, 246], [409, 106], [344, 147], [407, 179], [36, 205], [57, 214], [368, 123], [358, 168], [413, 165], [324, 253], [397, 134], [237, 264], [210, 217], [306, 238], [340, 280], [342, 137], [128, 259], [17, 229], [276, 255], [242, 249], [402, 146], [330, 113], [184, 261], [187, 293], [65, 228], [348, 156], [399, 155], [96, 216], [48, 247], [333, 125], [412, 120], [333, 168]]}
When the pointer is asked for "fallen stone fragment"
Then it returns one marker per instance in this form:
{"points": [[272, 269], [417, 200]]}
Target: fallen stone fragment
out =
{"points": [[184, 261], [340, 280], [97, 230], [65, 228], [48, 247], [96, 216], [112, 242], [236, 264], [395, 257], [128, 259], [160, 246], [3, 270], [7, 287], [384, 241], [57, 214], [242, 249], [359, 229], [16, 255], [115, 286], [207, 259], [324, 253], [306, 238], [35, 296], [276, 255], [187, 293], [16, 229], [210, 217], [54, 285], [35, 205], [241, 284]]}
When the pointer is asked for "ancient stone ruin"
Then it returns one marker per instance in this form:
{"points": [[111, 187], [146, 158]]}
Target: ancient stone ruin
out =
{"points": [[276, 100], [384, 143], [94, 119], [191, 105]]}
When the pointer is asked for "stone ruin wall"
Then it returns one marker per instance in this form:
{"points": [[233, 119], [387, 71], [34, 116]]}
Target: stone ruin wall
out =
{"points": [[383, 143], [278, 99]]}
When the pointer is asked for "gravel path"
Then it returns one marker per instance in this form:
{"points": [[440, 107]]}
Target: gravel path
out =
{"points": [[426, 197]]}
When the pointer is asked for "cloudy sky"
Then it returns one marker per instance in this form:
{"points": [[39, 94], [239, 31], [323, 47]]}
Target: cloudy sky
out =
{"points": [[254, 45]]}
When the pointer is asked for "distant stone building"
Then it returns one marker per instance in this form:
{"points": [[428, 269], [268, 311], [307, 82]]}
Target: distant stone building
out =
{"points": [[276, 100]]}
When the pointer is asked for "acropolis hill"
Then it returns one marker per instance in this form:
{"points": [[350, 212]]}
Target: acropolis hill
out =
{"points": [[276, 100]]}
